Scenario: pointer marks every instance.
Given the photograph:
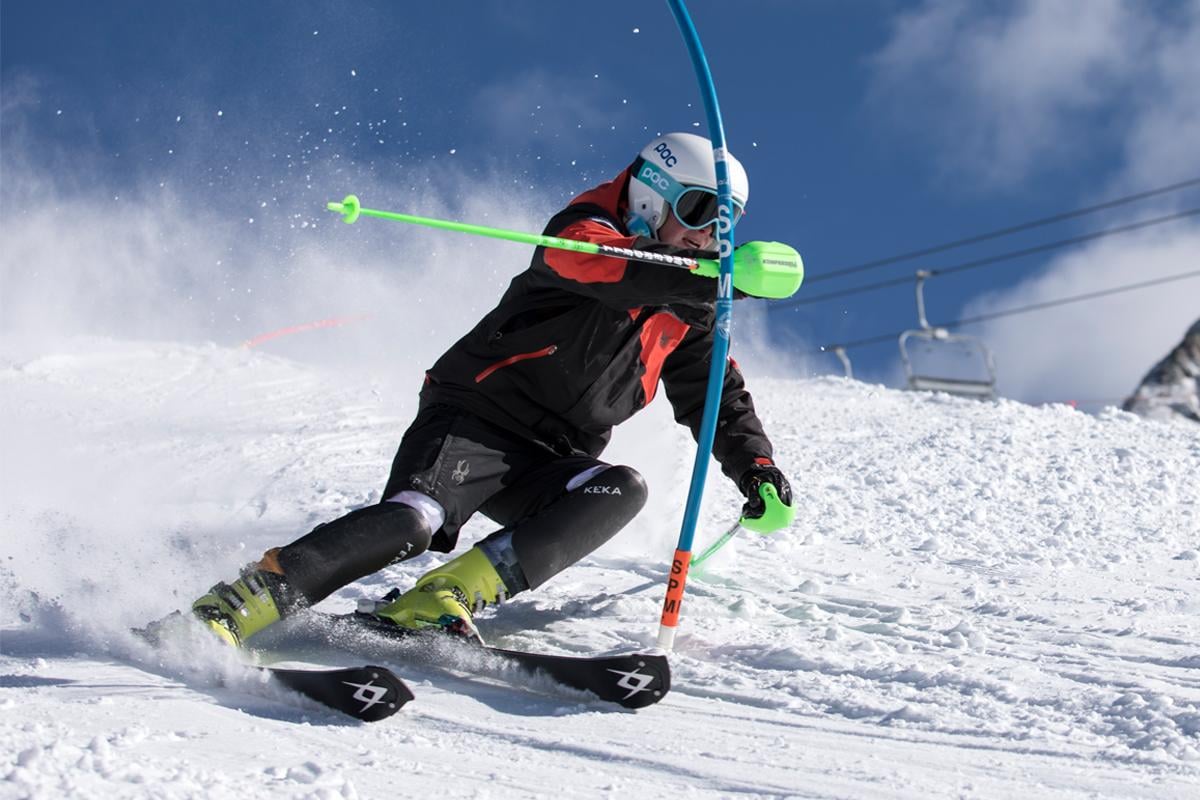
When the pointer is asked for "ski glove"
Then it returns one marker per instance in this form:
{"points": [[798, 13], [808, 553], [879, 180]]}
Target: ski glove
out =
{"points": [[750, 483]]}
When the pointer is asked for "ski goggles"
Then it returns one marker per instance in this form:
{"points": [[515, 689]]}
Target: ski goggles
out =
{"points": [[695, 207]]}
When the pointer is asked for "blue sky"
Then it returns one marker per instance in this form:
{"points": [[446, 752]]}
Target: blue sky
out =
{"points": [[868, 129]]}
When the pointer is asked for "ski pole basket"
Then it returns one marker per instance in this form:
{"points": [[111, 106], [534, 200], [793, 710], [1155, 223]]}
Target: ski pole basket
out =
{"points": [[936, 360]]}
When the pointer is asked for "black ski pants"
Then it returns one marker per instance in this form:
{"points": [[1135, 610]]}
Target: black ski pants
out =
{"points": [[550, 518]]}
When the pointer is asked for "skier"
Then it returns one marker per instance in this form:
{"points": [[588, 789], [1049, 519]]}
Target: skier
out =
{"points": [[513, 417]]}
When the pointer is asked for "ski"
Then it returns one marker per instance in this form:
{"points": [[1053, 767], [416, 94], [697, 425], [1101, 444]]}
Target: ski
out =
{"points": [[366, 693], [632, 680]]}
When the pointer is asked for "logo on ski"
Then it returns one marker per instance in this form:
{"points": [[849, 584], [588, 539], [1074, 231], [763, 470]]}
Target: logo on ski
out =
{"points": [[368, 694], [634, 681]]}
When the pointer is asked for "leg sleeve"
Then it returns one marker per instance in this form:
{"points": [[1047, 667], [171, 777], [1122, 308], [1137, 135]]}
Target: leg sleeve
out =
{"points": [[358, 544], [574, 524]]}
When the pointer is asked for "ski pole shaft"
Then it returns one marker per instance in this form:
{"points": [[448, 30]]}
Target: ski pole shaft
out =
{"points": [[351, 210], [680, 565], [718, 544]]}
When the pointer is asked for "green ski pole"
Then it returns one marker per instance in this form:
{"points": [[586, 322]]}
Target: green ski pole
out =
{"points": [[351, 210], [770, 270], [776, 516]]}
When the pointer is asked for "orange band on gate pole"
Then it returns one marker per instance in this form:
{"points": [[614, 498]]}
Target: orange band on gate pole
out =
{"points": [[674, 601]]}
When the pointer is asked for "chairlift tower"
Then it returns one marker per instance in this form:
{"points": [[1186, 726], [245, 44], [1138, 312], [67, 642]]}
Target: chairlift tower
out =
{"points": [[934, 339], [840, 352]]}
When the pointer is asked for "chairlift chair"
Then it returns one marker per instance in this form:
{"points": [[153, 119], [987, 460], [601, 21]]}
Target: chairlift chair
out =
{"points": [[918, 380]]}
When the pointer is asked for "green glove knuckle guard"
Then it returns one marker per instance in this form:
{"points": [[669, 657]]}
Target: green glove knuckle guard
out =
{"points": [[770, 270], [777, 515]]}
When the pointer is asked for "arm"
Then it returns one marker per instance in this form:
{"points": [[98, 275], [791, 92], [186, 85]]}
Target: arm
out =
{"points": [[740, 441], [740, 444], [615, 282]]}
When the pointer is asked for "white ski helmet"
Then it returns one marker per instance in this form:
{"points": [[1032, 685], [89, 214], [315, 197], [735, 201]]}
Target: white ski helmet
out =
{"points": [[676, 171]]}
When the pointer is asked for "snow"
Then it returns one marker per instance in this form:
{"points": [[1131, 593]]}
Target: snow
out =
{"points": [[976, 599]]}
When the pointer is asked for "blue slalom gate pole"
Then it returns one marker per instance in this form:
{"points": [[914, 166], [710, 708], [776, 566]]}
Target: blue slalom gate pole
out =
{"points": [[724, 322]]}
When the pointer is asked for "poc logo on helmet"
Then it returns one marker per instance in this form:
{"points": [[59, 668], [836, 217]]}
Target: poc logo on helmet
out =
{"points": [[651, 176], [665, 154]]}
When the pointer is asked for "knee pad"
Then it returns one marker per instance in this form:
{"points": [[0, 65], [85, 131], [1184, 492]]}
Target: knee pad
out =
{"points": [[577, 523], [353, 546], [619, 481]]}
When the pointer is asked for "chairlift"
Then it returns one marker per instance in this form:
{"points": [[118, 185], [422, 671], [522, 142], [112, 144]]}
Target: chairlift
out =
{"points": [[939, 341]]}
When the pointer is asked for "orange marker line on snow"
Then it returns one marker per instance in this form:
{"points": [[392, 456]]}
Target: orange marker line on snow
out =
{"points": [[307, 326]]}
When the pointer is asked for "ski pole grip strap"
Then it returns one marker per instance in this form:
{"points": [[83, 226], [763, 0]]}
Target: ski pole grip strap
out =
{"points": [[777, 516]]}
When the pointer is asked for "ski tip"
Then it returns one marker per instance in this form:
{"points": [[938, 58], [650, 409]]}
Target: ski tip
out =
{"points": [[368, 693], [645, 684]]}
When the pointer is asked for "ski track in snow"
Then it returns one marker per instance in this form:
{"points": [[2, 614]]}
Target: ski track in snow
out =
{"points": [[976, 599]]}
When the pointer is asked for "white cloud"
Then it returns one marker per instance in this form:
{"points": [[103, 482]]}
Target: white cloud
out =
{"points": [[1162, 143], [1003, 89], [1016, 86], [1098, 349]]}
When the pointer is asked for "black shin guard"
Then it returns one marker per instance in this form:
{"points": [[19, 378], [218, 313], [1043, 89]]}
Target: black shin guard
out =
{"points": [[577, 523], [358, 544]]}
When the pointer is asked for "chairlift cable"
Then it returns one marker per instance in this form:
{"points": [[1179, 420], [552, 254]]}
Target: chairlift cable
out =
{"points": [[1076, 299], [888, 337], [990, 260], [983, 237]]}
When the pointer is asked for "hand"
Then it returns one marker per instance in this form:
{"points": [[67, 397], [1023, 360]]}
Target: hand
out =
{"points": [[769, 270], [753, 479]]}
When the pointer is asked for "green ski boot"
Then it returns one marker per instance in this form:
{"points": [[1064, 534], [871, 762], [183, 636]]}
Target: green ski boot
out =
{"points": [[236, 611], [446, 598]]}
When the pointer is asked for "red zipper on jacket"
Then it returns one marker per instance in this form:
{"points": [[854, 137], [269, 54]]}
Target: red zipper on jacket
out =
{"points": [[545, 351]]}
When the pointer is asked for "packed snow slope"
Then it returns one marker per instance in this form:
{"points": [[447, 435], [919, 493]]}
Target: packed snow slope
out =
{"points": [[976, 599]]}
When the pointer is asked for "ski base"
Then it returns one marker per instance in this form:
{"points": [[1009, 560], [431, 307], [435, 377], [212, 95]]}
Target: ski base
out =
{"points": [[366, 693], [633, 680]]}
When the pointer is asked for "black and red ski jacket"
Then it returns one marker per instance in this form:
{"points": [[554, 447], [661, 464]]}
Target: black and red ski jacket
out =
{"points": [[578, 343]]}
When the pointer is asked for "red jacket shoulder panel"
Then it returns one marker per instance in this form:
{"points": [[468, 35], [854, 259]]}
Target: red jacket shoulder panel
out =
{"points": [[606, 195], [589, 267]]}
